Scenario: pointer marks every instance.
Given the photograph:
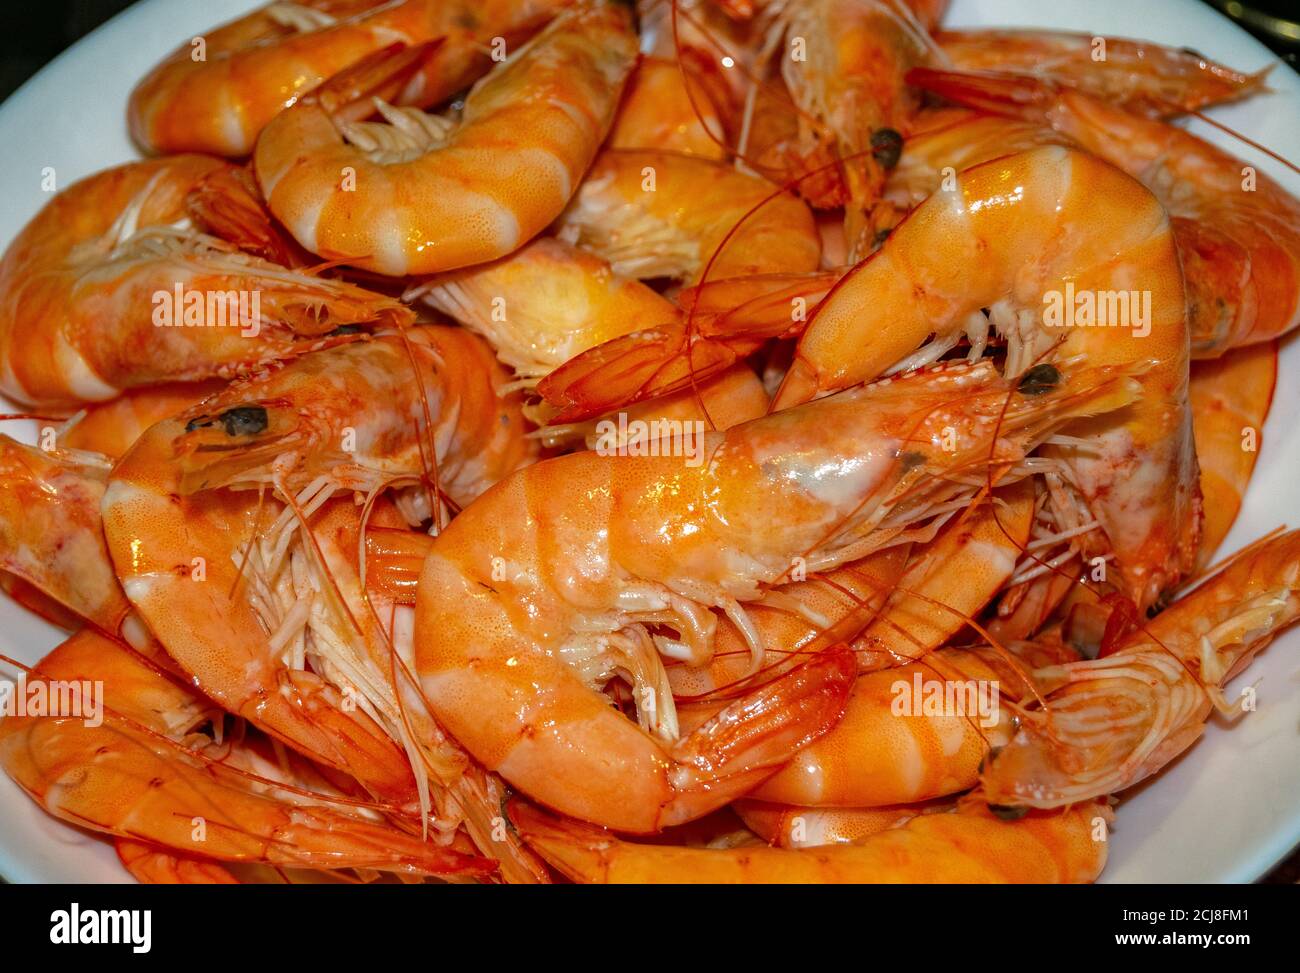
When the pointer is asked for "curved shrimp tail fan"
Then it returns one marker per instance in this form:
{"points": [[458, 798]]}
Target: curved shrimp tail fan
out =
{"points": [[384, 74], [642, 365], [226, 204], [571, 847], [762, 730], [999, 92]]}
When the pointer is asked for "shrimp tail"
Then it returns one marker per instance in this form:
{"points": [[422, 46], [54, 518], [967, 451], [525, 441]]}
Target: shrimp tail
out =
{"points": [[723, 321], [636, 367], [350, 95], [1113, 721], [758, 733], [573, 848], [226, 204]]}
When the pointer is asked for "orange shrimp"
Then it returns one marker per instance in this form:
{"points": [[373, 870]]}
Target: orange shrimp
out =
{"points": [[668, 107], [152, 865], [549, 302], [631, 210], [108, 289], [790, 826], [1231, 397], [419, 194], [111, 428], [1020, 235], [216, 93], [1113, 721], [147, 771], [969, 845], [279, 587], [1238, 231], [1140, 76], [552, 577], [50, 532]]}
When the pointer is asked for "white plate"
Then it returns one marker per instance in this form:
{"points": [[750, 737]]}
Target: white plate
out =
{"points": [[1226, 812]]}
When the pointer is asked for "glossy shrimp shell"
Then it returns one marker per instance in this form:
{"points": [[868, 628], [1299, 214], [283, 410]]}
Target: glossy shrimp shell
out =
{"points": [[428, 197], [218, 99]]}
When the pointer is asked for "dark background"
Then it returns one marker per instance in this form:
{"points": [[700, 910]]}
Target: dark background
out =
{"points": [[32, 33]]}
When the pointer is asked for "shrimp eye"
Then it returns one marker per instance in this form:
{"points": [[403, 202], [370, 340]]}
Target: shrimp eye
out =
{"points": [[343, 329], [988, 758], [244, 420], [1039, 379], [886, 147], [1008, 812]]}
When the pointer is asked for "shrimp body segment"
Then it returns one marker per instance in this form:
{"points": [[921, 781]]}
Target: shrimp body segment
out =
{"points": [[1231, 397], [967, 846], [545, 303], [552, 578], [1021, 236], [110, 288], [423, 194]]}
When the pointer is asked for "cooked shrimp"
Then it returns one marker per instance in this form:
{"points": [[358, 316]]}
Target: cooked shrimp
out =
{"points": [[969, 845], [666, 107], [149, 772], [419, 194], [876, 757], [1230, 399], [50, 532], [1238, 231], [721, 322], [848, 77], [280, 585], [154, 866], [111, 428], [1140, 76], [217, 99], [88, 288], [545, 303], [790, 826], [652, 213], [1011, 236], [1113, 721], [613, 544]]}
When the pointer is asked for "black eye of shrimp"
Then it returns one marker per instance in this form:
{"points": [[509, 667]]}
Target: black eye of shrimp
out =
{"points": [[1039, 379], [1008, 812], [242, 420], [886, 146]]}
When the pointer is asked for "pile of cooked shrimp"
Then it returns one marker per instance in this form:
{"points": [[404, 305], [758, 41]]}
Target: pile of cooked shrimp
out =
{"points": [[708, 442]]}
